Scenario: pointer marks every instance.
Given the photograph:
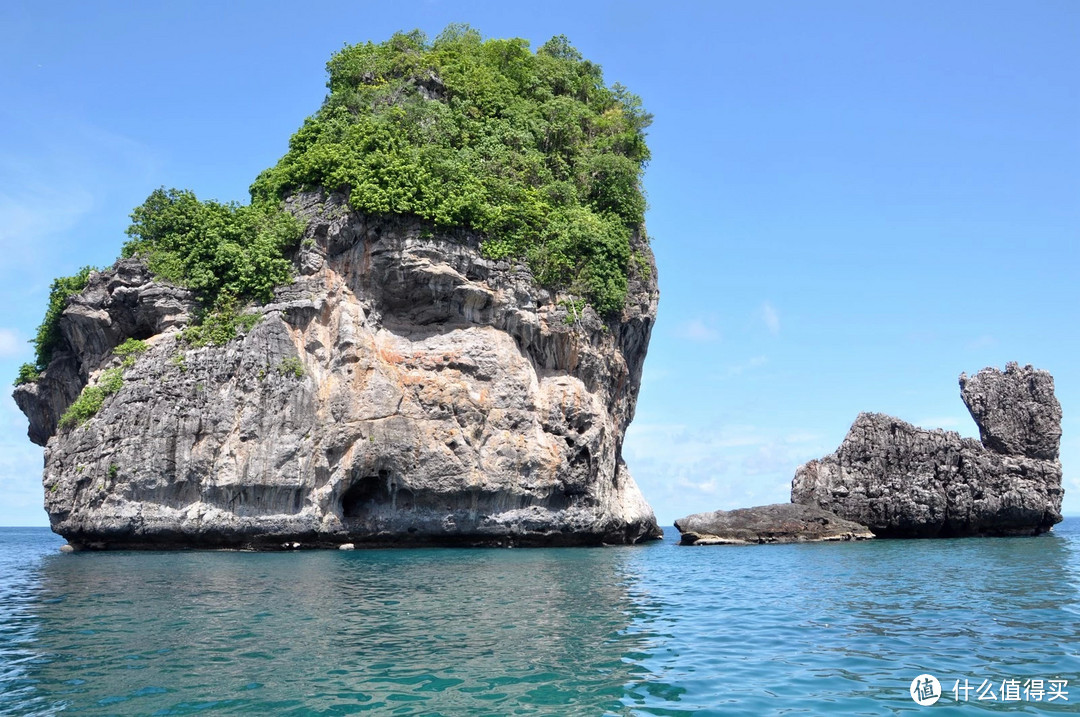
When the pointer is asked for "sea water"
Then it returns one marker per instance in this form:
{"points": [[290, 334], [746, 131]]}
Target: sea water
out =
{"points": [[656, 629]]}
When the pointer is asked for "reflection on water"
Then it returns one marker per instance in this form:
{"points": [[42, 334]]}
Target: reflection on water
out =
{"points": [[333, 632], [657, 629]]}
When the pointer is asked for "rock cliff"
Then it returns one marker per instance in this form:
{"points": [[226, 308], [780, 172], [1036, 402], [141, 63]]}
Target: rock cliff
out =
{"points": [[905, 481], [401, 390]]}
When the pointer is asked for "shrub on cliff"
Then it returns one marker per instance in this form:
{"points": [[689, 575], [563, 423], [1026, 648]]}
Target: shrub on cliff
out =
{"points": [[222, 251]]}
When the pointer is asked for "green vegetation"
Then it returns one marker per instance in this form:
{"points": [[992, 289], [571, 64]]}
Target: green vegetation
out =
{"points": [[224, 252], [227, 253], [291, 365], [219, 327], [129, 351], [114, 470], [28, 373], [111, 380], [85, 406], [92, 398], [48, 333], [532, 150], [573, 310]]}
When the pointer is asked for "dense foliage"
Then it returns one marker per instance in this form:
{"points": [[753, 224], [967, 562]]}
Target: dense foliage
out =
{"points": [[224, 252], [533, 150], [227, 253]]}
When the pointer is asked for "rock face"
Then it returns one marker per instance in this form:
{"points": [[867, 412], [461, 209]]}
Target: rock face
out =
{"points": [[402, 390], [777, 523], [905, 481], [1016, 411], [115, 305]]}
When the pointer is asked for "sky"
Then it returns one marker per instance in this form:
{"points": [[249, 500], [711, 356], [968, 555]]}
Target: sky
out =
{"points": [[851, 202]]}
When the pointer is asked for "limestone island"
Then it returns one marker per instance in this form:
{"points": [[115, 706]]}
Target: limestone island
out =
{"points": [[427, 327], [892, 479]]}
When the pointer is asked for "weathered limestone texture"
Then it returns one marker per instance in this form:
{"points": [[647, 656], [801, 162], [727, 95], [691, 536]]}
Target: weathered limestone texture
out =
{"points": [[904, 481], [402, 390], [777, 523]]}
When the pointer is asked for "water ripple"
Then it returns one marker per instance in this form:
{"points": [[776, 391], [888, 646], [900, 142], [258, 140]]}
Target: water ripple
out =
{"points": [[656, 630]]}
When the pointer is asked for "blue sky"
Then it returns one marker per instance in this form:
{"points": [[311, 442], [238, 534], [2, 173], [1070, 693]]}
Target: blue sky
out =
{"points": [[851, 202]]}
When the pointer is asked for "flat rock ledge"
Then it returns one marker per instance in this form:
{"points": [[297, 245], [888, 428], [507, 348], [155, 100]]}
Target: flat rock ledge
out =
{"points": [[777, 523]]}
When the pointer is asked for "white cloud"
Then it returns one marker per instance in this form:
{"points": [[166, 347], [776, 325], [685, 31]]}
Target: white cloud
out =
{"points": [[11, 344], [739, 369], [682, 468], [767, 460], [697, 330], [37, 212], [771, 318], [706, 487]]}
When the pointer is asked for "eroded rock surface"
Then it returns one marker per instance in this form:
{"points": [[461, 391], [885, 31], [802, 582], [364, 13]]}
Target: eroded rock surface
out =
{"points": [[402, 390], [905, 481], [115, 305], [777, 523]]}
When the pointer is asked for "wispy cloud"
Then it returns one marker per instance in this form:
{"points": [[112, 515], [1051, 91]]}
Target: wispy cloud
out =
{"points": [[684, 468], [11, 344], [36, 212], [738, 369], [771, 318], [697, 330], [705, 487], [54, 172], [802, 437], [766, 460]]}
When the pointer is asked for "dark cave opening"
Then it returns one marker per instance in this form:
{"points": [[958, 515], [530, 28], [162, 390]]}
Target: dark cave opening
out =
{"points": [[362, 494], [142, 333]]}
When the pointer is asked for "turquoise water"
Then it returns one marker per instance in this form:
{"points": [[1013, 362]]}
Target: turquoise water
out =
{"points": [[658, 629]]}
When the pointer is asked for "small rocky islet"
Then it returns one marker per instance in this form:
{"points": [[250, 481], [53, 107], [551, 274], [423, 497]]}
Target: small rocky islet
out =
{"points": [[891, 479]]}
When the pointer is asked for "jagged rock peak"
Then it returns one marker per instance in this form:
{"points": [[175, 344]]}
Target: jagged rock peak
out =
{"points": [[905, 481], [1016, 410]]}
